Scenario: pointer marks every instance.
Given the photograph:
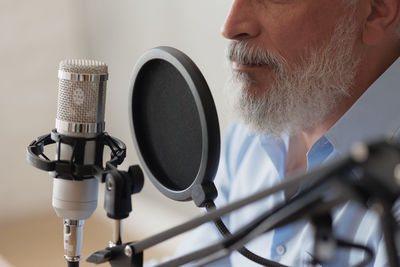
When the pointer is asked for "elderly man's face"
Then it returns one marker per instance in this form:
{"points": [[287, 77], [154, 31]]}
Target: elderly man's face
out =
{"points": [[291, 59]]}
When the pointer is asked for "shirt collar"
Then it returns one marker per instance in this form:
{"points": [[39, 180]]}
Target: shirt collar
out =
{"points": [[376, 114]]}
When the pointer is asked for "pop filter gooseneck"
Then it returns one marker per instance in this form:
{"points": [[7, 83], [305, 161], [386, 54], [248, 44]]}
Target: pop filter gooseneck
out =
{"points": [[176, 131]]}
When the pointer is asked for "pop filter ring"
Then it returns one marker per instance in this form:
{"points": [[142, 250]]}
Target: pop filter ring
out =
{"points": [[201, 189]]}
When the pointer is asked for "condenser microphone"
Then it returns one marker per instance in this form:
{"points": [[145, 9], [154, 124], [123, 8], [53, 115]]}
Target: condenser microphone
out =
{"points": [[79, 122]]}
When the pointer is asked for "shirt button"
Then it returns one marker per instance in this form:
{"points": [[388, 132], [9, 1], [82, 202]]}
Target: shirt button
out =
{"points": [[280, 250]]}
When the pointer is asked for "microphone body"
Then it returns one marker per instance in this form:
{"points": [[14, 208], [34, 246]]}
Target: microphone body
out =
{"points": [[79, 121]]}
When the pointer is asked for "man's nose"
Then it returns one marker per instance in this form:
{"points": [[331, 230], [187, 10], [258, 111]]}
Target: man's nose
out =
{"points": [[241, 22]]}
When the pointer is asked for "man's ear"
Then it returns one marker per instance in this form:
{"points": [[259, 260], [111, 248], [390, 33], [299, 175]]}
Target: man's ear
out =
{"points": [[381, 17]]}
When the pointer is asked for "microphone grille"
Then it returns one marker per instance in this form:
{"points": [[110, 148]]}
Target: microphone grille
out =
{"points": [[81, 96], [83, 66]]}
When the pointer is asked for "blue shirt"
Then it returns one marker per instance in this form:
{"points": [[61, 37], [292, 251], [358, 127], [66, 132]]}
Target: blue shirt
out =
{"points": [[250, 163]]}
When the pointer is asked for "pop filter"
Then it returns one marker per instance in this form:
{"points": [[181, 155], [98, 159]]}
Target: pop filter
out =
{"points": [[175, 125]]}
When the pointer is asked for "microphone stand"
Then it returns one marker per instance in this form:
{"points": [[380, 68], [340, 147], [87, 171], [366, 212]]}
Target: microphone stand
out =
{"points": [[368, 180], [135, 249]]}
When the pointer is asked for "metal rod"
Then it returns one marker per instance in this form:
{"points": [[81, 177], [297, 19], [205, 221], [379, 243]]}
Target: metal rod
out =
{"points": [[310, 177], [117, 237]]}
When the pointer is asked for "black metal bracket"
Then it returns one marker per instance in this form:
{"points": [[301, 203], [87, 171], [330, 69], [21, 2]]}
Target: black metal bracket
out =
{"points": [[73, 169], [325, 241], [120, 185], [119, 256]]}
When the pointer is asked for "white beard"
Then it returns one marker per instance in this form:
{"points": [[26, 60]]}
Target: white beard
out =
{"points": [[303, 97]]}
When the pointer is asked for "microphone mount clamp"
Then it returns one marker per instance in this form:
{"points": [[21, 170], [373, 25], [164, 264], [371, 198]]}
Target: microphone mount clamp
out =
{"points": [[69, 168], [120, 185]]}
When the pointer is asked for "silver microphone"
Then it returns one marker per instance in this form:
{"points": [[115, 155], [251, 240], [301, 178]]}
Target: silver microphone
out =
{"points": [[80, 115]]}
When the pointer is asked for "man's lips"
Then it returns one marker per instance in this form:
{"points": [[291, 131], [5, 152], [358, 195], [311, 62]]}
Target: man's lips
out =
{"points": [[245, 67]]}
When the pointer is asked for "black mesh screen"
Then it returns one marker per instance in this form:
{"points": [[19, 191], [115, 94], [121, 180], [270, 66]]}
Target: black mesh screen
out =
{"points": [[167, 124]]}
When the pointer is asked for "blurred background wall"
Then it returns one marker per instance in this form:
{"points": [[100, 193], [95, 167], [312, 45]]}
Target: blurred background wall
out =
{"points": [[35, 36]]}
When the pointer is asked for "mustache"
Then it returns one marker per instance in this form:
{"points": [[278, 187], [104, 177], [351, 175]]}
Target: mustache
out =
{"points": [[243, 53]]}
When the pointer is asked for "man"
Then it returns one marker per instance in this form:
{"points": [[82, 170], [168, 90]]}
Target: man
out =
{"points": [[311, 77]]}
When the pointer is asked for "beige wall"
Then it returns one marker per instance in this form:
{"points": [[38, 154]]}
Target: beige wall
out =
{"points": [[36, 35]]}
